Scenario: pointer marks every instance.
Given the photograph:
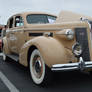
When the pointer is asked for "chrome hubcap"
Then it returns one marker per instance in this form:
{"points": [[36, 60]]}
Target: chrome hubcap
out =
{"points": [[37, 66]]}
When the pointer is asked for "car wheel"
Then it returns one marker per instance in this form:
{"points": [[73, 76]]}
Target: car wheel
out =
{"points": [[38, 69]]}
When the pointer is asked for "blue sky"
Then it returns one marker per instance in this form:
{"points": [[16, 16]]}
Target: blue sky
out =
{"points": [[10, 7]]}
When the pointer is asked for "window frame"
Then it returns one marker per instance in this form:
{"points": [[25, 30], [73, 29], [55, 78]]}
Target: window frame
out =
{"points": [[12, 22]]}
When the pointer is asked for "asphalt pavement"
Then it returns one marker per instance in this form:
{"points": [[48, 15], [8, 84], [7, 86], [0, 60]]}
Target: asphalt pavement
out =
{"points": [[16, 78]]}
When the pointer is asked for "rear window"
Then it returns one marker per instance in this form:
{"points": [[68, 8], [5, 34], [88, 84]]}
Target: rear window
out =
{"points": [[40, 19]]}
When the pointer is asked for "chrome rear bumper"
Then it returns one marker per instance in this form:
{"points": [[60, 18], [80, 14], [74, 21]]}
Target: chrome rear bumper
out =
{"points": [[81, 65]]}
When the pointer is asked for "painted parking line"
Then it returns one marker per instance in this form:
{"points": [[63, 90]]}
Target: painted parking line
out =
{"points": [[9, 85]]}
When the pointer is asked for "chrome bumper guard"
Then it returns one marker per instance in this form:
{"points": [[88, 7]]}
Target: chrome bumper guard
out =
{"points": [[81, 65]]}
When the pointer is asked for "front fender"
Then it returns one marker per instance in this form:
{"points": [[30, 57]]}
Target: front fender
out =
{"points": [[52, 51]]}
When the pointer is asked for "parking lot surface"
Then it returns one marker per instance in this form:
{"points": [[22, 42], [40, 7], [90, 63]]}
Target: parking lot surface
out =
{"points": [[18, 79]]}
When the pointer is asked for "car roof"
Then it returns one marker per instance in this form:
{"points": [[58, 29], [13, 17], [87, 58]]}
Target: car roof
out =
{"points": [[27, 13]]}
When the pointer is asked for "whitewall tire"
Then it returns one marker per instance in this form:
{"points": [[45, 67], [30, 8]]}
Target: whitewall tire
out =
{"points": [[38, 69]]}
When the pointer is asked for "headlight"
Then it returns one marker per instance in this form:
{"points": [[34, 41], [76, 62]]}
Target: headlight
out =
{"points": [[77, 49], [70, 34]]}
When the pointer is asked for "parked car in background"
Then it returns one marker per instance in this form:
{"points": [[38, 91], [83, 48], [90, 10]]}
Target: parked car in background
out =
{"points": [[3, 34], [1, 27], [44, 43]]}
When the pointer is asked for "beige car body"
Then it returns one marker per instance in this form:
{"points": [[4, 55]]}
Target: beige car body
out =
{"points": [[55, 49]]}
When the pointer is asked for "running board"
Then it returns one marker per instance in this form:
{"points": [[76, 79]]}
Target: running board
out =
{"points": [[14, 57]]}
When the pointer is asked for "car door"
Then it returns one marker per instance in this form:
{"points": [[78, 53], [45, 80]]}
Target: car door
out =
{"points": [[10, 33], [19, 32]]}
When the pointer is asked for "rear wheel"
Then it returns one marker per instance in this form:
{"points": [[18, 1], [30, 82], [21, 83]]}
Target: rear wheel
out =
{"points": [[38, 69]]}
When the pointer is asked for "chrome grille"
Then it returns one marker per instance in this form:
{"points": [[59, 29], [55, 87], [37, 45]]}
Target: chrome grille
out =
{"points": [[82, 39]]}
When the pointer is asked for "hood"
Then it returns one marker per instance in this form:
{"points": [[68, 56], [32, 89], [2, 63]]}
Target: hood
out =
{"points": [[66, 16]]}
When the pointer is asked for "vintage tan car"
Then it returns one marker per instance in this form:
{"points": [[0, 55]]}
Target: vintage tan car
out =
{"points": [[45, 43]]}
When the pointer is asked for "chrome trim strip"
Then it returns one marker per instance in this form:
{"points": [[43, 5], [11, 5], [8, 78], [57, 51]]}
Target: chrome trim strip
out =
{"points": [[81, 65], [65, 65], [64, 69]]}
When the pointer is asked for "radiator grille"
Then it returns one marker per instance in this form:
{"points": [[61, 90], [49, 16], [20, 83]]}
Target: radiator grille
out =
{"points": [[82, 38]]}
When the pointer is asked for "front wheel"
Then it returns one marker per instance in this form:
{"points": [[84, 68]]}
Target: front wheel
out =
{"points": [[38, 69]]}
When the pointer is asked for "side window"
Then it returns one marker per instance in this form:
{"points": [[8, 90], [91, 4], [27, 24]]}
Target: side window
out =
{"points": [[11, 23], [18, 21]]}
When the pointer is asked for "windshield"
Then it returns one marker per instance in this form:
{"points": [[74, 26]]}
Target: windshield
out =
{"points": [[40, 19]]}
